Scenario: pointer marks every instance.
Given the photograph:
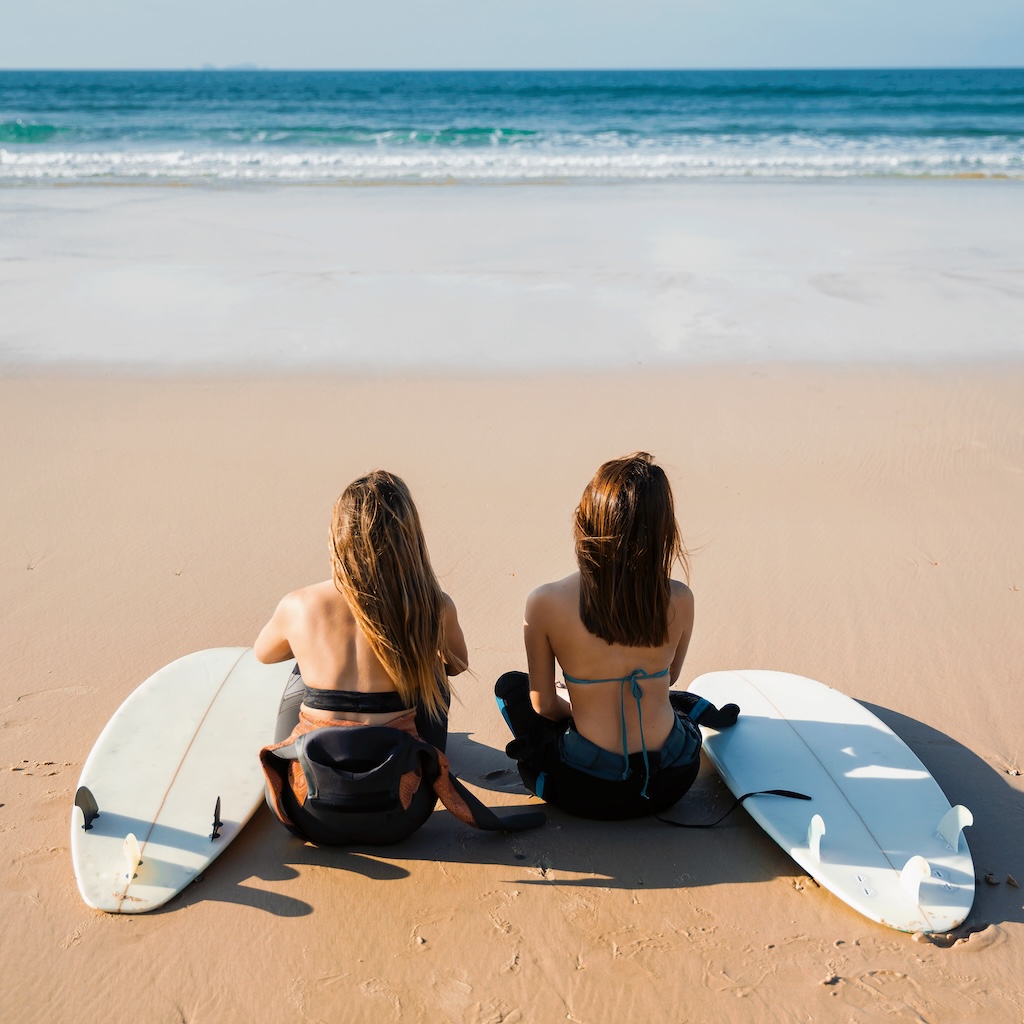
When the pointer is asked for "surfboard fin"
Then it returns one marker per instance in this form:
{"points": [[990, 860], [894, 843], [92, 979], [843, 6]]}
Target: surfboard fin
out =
{"points": [[914, 872], [954, 821], [86, 802], [133, 854], [215, 834], [815, 831]]}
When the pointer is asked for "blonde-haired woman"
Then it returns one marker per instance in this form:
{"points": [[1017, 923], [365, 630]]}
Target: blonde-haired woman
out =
{"points": [[622, 745], [380, 638], [359, 755]]}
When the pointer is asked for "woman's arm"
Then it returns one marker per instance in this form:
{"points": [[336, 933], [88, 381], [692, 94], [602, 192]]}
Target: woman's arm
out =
{"points": [[456, 654], [682, 607], [272, 644], [540, 660]]}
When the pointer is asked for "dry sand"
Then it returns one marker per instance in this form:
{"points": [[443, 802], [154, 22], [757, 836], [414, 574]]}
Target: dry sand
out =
{"points": [[857, 525]]}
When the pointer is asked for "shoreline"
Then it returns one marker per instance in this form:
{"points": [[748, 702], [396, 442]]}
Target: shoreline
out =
{"points": [[465, 279], [65, 375], [226, 184]]}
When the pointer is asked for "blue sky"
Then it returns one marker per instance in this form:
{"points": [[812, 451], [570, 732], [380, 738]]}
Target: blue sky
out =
{"points": [[511, 33]]}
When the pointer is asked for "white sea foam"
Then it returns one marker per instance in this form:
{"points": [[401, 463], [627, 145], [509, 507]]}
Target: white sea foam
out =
{"points": [[787, 157]]}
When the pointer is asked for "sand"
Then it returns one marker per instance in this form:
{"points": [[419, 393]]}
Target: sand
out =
{"points": [[854, 522]]}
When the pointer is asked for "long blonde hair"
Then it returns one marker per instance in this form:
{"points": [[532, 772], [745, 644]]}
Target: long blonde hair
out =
{"points": [[380, 565], [627, 540]]}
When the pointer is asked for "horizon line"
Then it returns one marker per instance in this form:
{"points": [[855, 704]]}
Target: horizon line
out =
{"points": [[246, 67]]}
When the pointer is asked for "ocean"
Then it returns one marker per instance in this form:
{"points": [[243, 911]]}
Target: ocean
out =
{"points": [[336, 127]]}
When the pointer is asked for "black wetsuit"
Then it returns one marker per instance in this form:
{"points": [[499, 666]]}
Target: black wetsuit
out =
{"points": [[566, 769]]}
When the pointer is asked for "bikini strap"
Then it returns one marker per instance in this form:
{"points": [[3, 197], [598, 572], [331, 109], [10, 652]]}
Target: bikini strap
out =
{"points": [[634, 687], [638, 673]]}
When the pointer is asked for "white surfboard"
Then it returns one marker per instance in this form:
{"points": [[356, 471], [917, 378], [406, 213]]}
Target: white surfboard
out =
{"points": [[174, 776], [878, 831]]}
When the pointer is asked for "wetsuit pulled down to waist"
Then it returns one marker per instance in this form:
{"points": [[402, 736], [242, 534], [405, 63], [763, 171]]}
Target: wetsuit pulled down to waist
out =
{"points": [[341, 702], [343, 782], [682, 747], [566, 769]]}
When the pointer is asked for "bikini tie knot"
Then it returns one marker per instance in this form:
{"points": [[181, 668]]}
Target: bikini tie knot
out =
{"points": [[634, 682]]}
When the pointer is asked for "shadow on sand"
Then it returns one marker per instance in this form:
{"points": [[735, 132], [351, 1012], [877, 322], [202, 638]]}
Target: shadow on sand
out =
{"points": [[637, 854], [996, 838]]}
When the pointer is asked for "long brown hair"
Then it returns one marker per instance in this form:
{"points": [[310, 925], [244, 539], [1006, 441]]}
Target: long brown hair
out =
{"points": [[380, 564], [627, 540]]}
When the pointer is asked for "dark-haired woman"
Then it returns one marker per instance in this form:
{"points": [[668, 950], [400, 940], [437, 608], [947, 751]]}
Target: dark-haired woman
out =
{"points": [[622, 745]]}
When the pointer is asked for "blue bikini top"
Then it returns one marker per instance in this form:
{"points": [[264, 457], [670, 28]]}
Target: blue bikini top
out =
{"points": [[634, 688]]}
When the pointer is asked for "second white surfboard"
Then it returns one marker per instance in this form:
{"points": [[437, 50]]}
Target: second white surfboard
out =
{"points": [[878, 831]]}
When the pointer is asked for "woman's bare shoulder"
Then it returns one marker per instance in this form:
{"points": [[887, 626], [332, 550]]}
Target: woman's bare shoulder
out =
{"points": [[556, 593], [317, 597], [681, 605], [450, 613]]}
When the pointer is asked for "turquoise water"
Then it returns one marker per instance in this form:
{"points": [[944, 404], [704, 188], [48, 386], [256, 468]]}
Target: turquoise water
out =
{"points": [[468, 126]]}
